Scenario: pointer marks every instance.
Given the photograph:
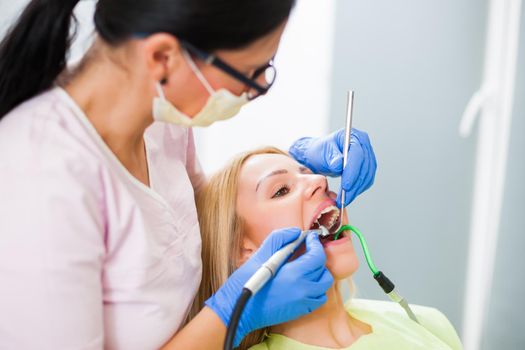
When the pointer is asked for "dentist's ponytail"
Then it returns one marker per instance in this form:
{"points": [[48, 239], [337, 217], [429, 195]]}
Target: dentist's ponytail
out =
{"points": [[34, 51]]}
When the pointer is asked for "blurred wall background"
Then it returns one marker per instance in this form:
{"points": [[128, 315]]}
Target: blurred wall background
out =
{"points": [[413, 65]]}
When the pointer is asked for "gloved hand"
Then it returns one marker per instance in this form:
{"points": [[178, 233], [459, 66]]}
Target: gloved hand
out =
{"points": [[324, 155], [298, 288]]}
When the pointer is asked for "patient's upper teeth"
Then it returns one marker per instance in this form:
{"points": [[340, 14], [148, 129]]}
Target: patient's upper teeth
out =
{"points": [[328, 209]]}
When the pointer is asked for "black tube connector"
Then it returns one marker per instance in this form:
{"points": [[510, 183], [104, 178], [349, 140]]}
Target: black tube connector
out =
{"points": [[384, 282]]}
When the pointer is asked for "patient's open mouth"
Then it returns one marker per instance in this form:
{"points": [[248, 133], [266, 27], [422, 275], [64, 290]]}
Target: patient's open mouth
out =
{"points": [[328, 217]]}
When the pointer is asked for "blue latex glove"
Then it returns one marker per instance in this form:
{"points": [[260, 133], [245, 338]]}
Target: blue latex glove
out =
{"points": [[324, 155], [298, 288]]}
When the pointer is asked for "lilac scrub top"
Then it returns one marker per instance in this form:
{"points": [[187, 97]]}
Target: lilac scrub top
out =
{"points": [[90, 257]]}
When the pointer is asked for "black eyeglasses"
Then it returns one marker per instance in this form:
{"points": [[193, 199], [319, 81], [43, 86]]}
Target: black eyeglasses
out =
{"points": [[255, 89]]}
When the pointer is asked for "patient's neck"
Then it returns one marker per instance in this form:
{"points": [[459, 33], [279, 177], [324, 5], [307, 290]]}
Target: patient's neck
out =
{"points": [[328, 326]]}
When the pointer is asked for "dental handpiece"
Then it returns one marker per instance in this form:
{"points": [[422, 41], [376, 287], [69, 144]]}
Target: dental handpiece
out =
{"points": [[274, 263]]}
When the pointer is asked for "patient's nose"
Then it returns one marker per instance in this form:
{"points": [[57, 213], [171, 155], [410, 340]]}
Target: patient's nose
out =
{"points": [[315, 185]]}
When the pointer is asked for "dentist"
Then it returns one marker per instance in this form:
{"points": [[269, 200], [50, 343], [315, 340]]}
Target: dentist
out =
{"points": [[99, 239]]}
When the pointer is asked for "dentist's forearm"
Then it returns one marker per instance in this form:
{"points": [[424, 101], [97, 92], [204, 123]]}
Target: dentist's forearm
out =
{"points": [[206, 331]]}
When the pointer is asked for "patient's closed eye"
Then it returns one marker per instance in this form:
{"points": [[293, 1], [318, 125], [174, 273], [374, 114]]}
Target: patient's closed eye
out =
{"points": [[282, 191]]}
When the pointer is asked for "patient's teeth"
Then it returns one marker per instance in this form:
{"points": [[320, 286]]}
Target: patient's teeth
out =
{"points": [[328, 209], [332, 219]]}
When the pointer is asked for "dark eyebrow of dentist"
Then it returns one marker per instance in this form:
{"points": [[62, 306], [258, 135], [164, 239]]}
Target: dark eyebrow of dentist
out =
{"points": [[99, 239]]}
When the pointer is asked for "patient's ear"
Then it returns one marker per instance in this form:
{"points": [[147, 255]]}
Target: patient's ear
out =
{"points": [[248, 247]]}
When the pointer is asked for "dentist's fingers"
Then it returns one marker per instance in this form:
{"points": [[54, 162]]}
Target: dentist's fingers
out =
{"points": [[356, 163], [313, 258], [359, 173], [276, 240], [318, 288], [372, 164]]}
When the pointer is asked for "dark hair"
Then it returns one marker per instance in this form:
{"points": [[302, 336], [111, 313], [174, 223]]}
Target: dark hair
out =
{"points": [[34, 51]]}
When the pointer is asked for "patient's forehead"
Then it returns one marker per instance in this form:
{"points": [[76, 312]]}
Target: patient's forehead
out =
{"points": [[264, 161], [260, 165]]}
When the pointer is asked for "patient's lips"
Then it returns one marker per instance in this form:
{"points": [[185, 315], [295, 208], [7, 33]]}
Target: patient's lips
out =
{"points": [[343, 238]]}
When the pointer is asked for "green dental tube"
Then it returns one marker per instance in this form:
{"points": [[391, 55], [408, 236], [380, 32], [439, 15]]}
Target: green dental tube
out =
{"points": [[362, 240], [383, 281]]}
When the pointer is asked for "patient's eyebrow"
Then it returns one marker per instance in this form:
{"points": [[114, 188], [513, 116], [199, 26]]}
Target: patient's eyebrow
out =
{"points": [[304, 170], [273, 173]]}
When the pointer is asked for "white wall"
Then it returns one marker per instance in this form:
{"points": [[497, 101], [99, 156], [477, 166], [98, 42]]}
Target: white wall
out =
{"points": [[10, 10], [298, 103]]}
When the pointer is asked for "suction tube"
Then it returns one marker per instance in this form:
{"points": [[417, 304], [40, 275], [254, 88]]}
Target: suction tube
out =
{"points": [[383, 281]]}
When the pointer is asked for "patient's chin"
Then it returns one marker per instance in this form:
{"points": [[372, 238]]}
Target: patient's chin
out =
{"points": [[341, 264]]}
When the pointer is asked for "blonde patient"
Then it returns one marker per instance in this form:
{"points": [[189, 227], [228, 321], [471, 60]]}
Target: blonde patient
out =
{"points": [[264, 190]]}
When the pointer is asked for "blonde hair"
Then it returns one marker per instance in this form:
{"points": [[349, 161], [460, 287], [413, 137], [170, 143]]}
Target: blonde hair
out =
{"points": [[222, 231]]}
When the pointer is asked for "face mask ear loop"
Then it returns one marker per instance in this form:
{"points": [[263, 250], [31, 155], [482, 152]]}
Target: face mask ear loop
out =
{"points": [[158, 86], [197, 72]]}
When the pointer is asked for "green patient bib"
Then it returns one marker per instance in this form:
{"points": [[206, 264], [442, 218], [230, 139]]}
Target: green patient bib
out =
{"points": [[391, 329]]}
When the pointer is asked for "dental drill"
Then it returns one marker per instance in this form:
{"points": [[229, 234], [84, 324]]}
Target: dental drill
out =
{"points": [[261, 277], [274, 263]]}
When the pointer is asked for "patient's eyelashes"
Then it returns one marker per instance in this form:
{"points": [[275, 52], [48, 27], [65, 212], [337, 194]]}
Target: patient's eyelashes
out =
{"points": [[282, 191]]}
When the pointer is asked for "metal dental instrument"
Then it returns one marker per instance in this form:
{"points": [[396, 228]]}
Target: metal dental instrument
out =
{"points": [[348, 130]]}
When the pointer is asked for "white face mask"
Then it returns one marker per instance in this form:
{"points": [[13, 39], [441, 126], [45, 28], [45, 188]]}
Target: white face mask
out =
{"points": [[221, 104]]}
